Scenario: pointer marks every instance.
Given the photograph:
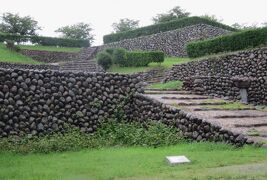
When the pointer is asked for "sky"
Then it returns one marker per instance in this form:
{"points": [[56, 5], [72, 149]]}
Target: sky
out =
{"points": [[101, 14]]}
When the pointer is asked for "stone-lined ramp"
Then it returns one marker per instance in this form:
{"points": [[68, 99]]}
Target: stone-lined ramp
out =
{"points": [[246, 120]]}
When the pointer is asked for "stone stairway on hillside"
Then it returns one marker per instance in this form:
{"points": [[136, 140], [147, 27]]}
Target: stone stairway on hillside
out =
{"points": [[245, 119], [155, 75], [84, 62]]}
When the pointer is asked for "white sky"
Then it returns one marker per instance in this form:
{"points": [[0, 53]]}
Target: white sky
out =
{"points": [[52, 14]]}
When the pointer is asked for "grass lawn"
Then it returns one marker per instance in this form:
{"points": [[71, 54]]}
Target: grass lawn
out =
{"points": [[50, 48], [231, 105], [168, 62], [209, 161], [168, 85], [13, 57]]}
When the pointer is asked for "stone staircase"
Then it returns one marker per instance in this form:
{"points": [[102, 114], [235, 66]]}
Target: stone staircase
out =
{"points": [[247, 119], [84, 62], [155, 75]]}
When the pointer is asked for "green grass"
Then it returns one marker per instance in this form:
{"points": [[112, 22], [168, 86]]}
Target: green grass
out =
{"points": [[50, 48], [230, 106], [13, 57], [209, 161], [169, 85], [168, 62]]}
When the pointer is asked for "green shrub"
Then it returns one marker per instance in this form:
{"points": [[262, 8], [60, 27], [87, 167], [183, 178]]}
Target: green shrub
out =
{"points": [[45, 41], [104, 59], [111, 133], [162, 27], [143, 58], [157, 56], [233, 42], [119, 56]]}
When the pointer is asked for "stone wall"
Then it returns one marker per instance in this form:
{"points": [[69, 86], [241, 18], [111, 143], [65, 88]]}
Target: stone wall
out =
{"points": [[251, 63], [172, 43], [49, 56], [5, 65], [188, 125], [226, 87], [41, 102]]}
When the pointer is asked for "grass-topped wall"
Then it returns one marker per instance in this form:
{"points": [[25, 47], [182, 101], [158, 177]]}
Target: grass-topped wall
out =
{"points": [[232, 42], [163, 27]]}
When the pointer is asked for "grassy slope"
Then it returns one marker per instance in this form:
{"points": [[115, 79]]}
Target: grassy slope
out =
{"points": [[13, 57], [138, 163], [166, 64], [168, 85], [51, 48]]}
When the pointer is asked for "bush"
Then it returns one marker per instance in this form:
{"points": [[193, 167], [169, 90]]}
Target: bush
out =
{"points": [[143, 58], [111, 133], [104, 59], [119, 56], [233, 42], [157, 56], [162, 27], [45, 41]]}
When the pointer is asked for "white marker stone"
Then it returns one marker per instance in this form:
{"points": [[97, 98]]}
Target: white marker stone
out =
{"points": [[173, 160]]}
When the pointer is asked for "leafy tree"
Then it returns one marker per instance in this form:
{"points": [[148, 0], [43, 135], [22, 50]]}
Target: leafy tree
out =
{"points": [[211, 17], [175, 13], [13, 23], [125, 25], [77, 31]]}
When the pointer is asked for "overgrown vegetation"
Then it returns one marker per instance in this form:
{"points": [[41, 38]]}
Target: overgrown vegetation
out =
{"points": [[162, 27], [177, 85], [104, 59], [7, 55], [111, 133], [233, 42]]}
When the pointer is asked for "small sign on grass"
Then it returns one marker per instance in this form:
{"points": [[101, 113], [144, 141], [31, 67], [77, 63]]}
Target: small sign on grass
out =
{"points": [[174, 160]]}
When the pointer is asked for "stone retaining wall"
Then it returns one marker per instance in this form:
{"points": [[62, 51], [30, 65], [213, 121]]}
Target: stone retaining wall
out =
{"points": [[252, 63], [225, 87], [5, 65], [41, 102], [49, 56], [172, 43]]}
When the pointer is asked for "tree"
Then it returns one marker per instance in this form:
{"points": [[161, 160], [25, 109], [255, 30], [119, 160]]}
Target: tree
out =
{"points": [[125, 25], [13, 23], [211, 17], [244, 26], [175, 13], [77, 31]]}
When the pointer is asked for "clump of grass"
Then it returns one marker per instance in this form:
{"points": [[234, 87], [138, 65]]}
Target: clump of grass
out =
{"points": [[168, 85], [229, 106], [111, 133]]}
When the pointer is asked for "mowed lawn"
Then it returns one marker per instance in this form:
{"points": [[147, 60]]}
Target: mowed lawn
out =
{"points": [[168, 62], [51, 48], [13, 57], [209, 161]]}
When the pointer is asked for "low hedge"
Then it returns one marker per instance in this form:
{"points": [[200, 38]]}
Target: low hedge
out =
{"points": [[233, 42], [162, 27], [45, 41]]}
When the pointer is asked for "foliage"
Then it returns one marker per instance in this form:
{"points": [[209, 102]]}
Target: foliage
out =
{"points": [[45, 41], [11, 46], [143, 58], [125, 25], [244, 26], [233, 42], [177, 85], [14, 24], [173, 14], [13, 57], [77, 31], [211, 18], [162, 27], [111, 133], [119, 56], [104, 60]]}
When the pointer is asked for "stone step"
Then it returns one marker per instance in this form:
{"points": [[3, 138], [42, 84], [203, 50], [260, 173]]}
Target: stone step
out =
{"points": [[166, 92]]}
